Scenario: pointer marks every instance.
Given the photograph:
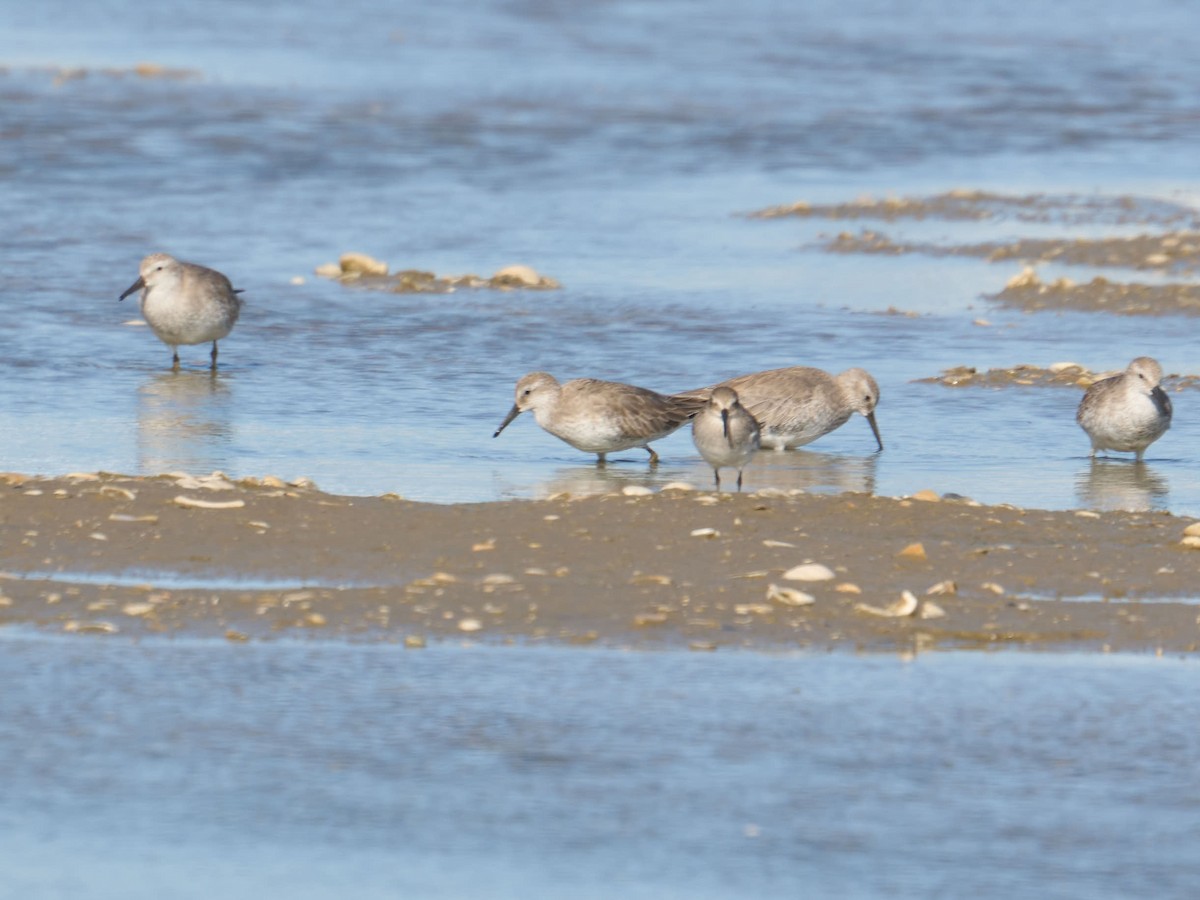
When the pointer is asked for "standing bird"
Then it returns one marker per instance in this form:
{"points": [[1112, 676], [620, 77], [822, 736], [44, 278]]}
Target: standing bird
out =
{"points": [[725, 433], [1126, 412], [600, 416], [796, 405], [184, 303]]}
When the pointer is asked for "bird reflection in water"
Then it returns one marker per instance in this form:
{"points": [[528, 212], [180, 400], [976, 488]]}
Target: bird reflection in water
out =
{"points": [[826, 473], [823, 473], [1118, 484], [184, 423]]}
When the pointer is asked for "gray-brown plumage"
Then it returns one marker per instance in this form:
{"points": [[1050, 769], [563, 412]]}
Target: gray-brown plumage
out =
{"points": [[1127, 412], [798, 404], [184, 303], [600, 417], [725, 433]]}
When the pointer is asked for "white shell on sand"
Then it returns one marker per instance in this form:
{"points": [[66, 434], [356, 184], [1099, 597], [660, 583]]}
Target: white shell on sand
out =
{"points": [[809, 572], [789, 596], [196, 503], [905, 605]]}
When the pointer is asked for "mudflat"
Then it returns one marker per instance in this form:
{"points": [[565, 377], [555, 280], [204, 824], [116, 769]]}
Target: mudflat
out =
{"points": [[256, 559]]}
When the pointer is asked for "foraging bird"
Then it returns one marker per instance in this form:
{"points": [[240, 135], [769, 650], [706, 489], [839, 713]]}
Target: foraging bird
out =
{"points": [[184, 303], [725, 433], [600, 417], [798, 404], [1126, 412]]}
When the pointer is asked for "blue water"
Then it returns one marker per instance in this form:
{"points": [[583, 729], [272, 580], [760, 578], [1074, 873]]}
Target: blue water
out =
{"points": [[174, 769], [615, 147], [610, 146]]}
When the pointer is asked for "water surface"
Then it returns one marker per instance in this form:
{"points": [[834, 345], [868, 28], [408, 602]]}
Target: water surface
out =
{"points": [[190, 769], [612, 147]]}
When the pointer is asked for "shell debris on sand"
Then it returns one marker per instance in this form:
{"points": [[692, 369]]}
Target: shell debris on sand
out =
{"points": [[789, 596], [905, 605], [368, 272], [809, 572], [197, 503], [1191, 536]]}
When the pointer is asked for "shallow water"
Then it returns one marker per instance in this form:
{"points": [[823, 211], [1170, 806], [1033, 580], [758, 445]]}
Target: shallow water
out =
{"points": [[612, 147], [179, 769]]}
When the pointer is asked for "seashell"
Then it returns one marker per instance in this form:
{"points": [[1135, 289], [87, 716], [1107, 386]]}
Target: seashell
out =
{"points": [[809, 572], [914, 551], [748, 609], [930, 610], [139, 608], [992, 587], [650, 579], [789, 596], [905, 605], [706, 533], [771, 543], [641, 620], [196, 503], [678, 486], [498, 579], [1191, 541], [126, 517], [111, 490], [942, 587], [1193, 529]]}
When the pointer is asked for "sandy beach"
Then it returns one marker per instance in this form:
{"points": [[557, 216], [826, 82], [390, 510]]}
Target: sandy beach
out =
{"points": [[110, 554]]}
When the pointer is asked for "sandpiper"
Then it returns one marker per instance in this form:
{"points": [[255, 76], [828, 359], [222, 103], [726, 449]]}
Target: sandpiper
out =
{"points": [[1126, 412], [725, 433], [798, 404], [600, 417], [184, 303]]}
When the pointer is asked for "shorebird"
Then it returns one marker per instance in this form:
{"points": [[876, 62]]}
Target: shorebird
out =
{"points": [[184, 303], [725, 433], [600, 417], [1126, 412], [796, 405]]}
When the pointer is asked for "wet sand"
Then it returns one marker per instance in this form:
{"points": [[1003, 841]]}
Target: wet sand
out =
{"points": [[109, 554]]}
